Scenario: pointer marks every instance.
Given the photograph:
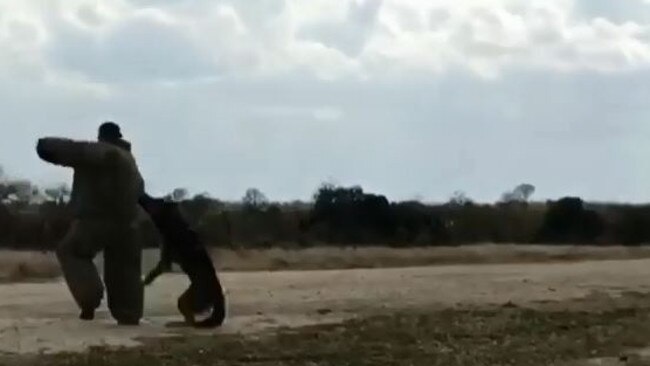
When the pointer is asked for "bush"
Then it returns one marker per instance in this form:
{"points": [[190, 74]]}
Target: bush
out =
{"points": [[350, 216], [567, 221]]}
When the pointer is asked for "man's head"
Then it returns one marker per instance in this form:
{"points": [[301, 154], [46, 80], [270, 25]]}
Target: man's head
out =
{"points": [[109, 132]]}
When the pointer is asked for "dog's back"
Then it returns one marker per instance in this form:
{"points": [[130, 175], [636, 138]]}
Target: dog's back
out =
{"points": [[183, 242]]}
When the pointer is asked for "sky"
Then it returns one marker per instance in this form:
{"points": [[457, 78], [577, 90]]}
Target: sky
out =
{"points": [[414, 99]]}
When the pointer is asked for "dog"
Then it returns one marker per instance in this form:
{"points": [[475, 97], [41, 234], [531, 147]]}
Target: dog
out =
{"points": [[181, 245]]}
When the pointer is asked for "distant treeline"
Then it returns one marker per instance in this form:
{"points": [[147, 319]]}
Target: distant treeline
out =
{"points": [[349, 216]]}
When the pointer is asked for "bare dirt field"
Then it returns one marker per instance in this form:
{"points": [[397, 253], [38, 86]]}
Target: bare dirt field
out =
{"points": [[475, 305], [40, 317]]}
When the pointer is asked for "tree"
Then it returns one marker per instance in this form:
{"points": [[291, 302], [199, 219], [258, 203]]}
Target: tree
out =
{"points": [[58, 194], [460, 198], [179, 194], [254, 199], [22, 191], [568, 221], [521, 193], [5, 191]]}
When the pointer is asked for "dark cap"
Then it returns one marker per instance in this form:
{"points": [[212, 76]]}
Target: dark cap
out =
{"points": [[109, 131]]}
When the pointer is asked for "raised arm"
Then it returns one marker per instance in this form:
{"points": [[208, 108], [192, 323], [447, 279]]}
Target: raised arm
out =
{"points": [[70, 153]]}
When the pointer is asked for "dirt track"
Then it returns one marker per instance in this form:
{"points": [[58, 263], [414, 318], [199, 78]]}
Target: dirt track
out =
{"points": [[42, 317]]}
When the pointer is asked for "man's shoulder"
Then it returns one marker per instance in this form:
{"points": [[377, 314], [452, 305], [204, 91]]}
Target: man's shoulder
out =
{"points": [[114, 152]]}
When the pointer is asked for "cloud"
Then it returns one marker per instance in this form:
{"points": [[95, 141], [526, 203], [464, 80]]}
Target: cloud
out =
{"points": [[348, 34], [489, 38], [147, 45], [637, 11], [158, 41]]}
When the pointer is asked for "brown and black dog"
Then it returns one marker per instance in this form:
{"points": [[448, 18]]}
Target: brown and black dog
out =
{"points": [[182, 245]]}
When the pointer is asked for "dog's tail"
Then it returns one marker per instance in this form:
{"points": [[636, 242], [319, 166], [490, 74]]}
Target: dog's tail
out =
{"points": [[218, 314]]}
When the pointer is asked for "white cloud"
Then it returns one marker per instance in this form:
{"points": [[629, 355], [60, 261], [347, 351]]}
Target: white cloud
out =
{"points": [[347, 34], [147, 45], [149, 41], [488, 37]]}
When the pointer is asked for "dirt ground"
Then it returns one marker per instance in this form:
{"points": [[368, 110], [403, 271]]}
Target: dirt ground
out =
{"points": [[41, 317]]}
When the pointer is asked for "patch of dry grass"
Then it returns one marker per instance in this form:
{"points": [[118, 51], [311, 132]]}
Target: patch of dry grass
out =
{"points": [[383, 257], [20, 266], [16, 266]]}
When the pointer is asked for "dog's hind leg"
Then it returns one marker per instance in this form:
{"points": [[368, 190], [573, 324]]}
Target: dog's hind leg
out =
{"points": [[186, 305]]}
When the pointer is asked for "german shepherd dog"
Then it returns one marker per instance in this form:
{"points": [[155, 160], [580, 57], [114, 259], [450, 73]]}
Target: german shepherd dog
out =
{"points": [[181, 245]]}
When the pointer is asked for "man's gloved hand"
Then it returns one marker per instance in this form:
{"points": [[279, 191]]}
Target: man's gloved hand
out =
{"points": [[43, 152]]}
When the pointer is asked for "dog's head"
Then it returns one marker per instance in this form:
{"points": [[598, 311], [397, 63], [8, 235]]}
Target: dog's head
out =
{"points": [[156, 206]]}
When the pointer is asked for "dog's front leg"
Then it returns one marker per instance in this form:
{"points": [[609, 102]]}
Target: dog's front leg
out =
{"points": [[161, 268]]}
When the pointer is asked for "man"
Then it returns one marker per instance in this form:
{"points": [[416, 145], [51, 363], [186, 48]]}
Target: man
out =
{"points": [[104, 200]]}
